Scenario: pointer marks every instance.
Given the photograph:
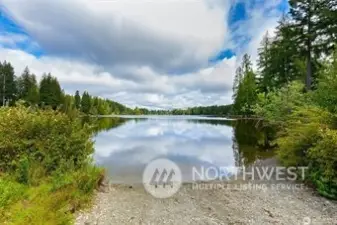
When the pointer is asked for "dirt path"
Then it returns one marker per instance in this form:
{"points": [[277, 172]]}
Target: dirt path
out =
{"points": [[229, 204]]}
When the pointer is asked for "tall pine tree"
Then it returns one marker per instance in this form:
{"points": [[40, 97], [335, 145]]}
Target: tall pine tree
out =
{"points": [[27, 87], [313, 23], [86, 103], [77, 100], [8, 93], [50, 91], [246, 94]]}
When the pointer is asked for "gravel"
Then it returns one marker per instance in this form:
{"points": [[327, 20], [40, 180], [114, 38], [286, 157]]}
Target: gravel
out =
{"points": [[234, 202]]}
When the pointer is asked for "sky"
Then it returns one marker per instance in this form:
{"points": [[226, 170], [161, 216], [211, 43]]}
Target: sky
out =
{"points": [[159, 54]]}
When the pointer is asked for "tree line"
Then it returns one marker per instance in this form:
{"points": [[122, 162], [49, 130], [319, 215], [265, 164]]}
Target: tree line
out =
{"points": [[215, 110], [49, 94]]}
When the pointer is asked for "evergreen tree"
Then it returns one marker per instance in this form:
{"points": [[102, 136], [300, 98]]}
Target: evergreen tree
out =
{"points": [[264, 64], [246, 94], [77, 100], [7, 84], [50, 91], [237, 81], [27, 87], [285, 55], [279, 60], [86, 103], [313, 26]]}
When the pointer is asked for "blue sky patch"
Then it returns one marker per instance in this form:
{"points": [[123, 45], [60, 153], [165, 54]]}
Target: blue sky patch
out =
{"points": [[224, 54], [7, 25], [237, 13], [20, 39]]}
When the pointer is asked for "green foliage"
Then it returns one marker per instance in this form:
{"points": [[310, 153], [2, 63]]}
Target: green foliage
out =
{"points": [[47, 172], [305, 132], [86, 103], [323, 163], [48, 94], [326, 93], [22, 171], [214, 110], [52, 201], [68, 106], [10, 192], [310, 33], [27, 88], [308, 140], [277, 105], [8, 87], [279, 61], [300, 134], [77, 100], [50, 91], [86, 179], [305, 119], [245, 93], [45, 136], [302, 37]]}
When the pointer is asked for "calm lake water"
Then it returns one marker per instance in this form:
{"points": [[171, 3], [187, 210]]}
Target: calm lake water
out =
{"points": [[124, 145]]}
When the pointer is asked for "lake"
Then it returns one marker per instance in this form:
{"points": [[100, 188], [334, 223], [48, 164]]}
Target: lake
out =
{"points": [[124, 145]]}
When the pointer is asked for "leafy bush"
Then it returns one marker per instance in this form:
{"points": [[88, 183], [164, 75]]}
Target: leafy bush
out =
{"points": [[323, 163], [277, 106], [45, 160], [10, 192], [47, 137], [22, 172], [305, 128], [300, 134], [86, 180], [308, 140]]}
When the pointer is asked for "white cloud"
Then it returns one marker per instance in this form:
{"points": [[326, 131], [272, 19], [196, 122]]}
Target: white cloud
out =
{"points": [[7, 39], [148, 53], [165, 35], [157, 90]]}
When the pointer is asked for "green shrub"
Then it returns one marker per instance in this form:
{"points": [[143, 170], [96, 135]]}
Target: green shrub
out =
{"points": [[10, 192], [22, 171], [308, 140], [300, 133], [323, 163], [45, 160], [277, 106], [88, 178], [47, 137], [293, 147], [85, 179]]}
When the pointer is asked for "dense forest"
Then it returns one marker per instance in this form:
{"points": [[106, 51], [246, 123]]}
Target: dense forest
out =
{"points": [[294, 89]]}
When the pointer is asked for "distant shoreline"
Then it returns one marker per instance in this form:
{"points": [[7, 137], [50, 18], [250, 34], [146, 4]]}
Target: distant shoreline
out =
{"points": [[188, 117]]}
